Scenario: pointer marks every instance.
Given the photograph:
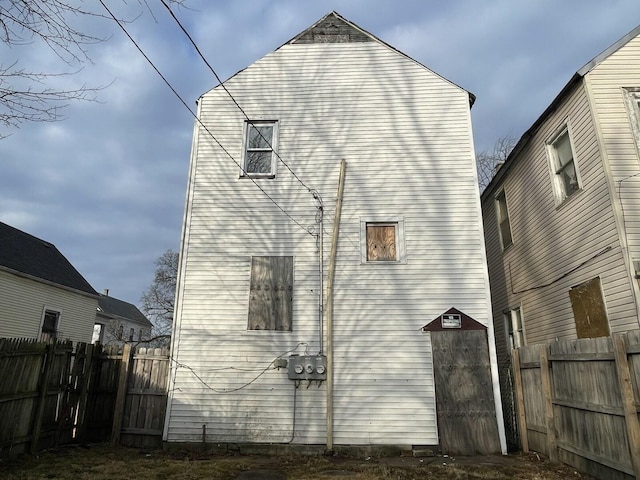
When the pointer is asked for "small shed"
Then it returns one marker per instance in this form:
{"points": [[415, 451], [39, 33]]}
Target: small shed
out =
{"points": [[465, 403]]}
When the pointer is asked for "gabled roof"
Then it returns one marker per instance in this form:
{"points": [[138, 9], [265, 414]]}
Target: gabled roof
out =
{"points": [[119, 309], [575, 79], [28, 255], [334, 28]]}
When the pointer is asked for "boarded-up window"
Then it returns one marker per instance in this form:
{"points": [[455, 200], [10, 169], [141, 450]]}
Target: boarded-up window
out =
{"points": [[381, 243], [589, 310], [271, 293]]}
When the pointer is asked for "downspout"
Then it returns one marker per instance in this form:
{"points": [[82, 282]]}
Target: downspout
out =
{"points": [[329, 322]]}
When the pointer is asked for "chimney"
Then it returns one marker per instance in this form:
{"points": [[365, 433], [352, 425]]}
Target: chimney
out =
{"points": [[105, 292]]}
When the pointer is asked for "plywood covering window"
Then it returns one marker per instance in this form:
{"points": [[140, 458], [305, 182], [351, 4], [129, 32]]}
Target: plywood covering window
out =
{"points": [[503, 220], [271, 293], [589, 309], [259, 149], [382, 241], [565, 171]]}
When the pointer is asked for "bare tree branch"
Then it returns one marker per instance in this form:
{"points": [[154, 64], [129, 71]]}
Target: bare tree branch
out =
{"points": [[488, 163], [27, 95], [158, 300]]}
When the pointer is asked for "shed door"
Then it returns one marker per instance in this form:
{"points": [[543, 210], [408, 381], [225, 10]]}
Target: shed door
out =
{"points": [[464, 393]]}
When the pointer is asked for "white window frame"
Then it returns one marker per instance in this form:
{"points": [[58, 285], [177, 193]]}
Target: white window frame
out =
{"points": [[398, 223], [46, 309], [514, 327], [554, 163], [500, 220], [273, 144], [632, 99]]}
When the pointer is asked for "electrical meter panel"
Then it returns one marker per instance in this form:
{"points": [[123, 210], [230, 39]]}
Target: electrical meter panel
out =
{"points": [[307, 367]]}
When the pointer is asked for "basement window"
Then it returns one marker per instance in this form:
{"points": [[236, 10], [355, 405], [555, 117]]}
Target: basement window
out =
{"points": [[260, 142], [271, 294]]}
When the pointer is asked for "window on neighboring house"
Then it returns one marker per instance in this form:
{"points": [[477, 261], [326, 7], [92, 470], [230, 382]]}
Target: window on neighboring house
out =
{"points": [[271, 294], [50, 320], [563, 165], [503, 220], [382, 241], [513, 327], [259, 149], [140, 335], [120, 332], [632, 96], [132, 332], [589, 311]]}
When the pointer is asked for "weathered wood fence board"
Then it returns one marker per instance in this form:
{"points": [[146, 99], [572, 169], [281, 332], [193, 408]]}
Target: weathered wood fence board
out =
{"points": [[53, 394], [579, 401]]}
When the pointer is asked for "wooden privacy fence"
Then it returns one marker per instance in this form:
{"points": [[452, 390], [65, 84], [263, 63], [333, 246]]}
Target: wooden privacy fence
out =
{"points": [[53, 394], [578, 403]]}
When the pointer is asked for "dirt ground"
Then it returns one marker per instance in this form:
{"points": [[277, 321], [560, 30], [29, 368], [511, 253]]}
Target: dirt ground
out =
{"points": [[104, 462]]}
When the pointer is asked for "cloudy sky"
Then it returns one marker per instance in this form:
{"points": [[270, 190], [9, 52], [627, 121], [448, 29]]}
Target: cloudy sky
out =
{"points": [[107, 184]]}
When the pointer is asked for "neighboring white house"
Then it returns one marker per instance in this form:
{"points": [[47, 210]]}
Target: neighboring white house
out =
{"points": [[42, 296], [118, 322], [254, 291], [562, 216]]}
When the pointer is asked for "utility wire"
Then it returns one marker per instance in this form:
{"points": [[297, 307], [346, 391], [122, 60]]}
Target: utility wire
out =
{"points": [[306, 229], [184, 30]]}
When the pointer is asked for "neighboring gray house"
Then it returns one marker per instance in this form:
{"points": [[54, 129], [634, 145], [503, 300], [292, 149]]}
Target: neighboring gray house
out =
{"points": [[42, 295], [269, 278], [118, 322], [562, 215]]}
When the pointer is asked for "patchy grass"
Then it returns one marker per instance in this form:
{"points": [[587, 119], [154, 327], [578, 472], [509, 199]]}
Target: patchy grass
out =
{"points": [[104, 462]]}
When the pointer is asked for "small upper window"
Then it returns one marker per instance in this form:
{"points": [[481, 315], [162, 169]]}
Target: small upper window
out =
{"points": [[563, 165], [513, 326], [259, 152], [503, 220], [382, 241]]}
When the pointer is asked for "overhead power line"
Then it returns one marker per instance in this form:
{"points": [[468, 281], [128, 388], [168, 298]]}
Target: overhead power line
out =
{"points": [[184, 30], [179, 97]]}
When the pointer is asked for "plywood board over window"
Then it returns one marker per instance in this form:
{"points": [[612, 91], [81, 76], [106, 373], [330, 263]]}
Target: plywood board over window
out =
{"points": [[589, 309], [381, 243], [271, 293]]}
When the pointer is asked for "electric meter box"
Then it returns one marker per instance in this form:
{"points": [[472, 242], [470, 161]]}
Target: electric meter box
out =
{"points": [[307, 367]]}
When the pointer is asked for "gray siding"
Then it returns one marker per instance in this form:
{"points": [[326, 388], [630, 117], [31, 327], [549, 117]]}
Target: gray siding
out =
{"points": [[22, 302], [550, 242], [406, 136]]}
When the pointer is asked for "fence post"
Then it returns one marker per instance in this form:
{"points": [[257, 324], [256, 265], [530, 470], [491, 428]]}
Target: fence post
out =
{"points": [[628, 401], [122, 394], [522, 414], [548, 403], [49, 355]]}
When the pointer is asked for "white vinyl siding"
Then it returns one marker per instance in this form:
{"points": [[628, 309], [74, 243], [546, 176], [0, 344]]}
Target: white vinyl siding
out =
{"points": [[23, 302], [607, 83], [333, 102], [554, 241]]}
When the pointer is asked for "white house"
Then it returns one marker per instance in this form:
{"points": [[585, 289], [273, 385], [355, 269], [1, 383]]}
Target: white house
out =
{"points": [[118, 322], [42, 296], [275, 272]]}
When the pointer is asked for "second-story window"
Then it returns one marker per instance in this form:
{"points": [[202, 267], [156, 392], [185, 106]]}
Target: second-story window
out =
{"points": [[563, 165], [503, 220], [259, 149]]}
